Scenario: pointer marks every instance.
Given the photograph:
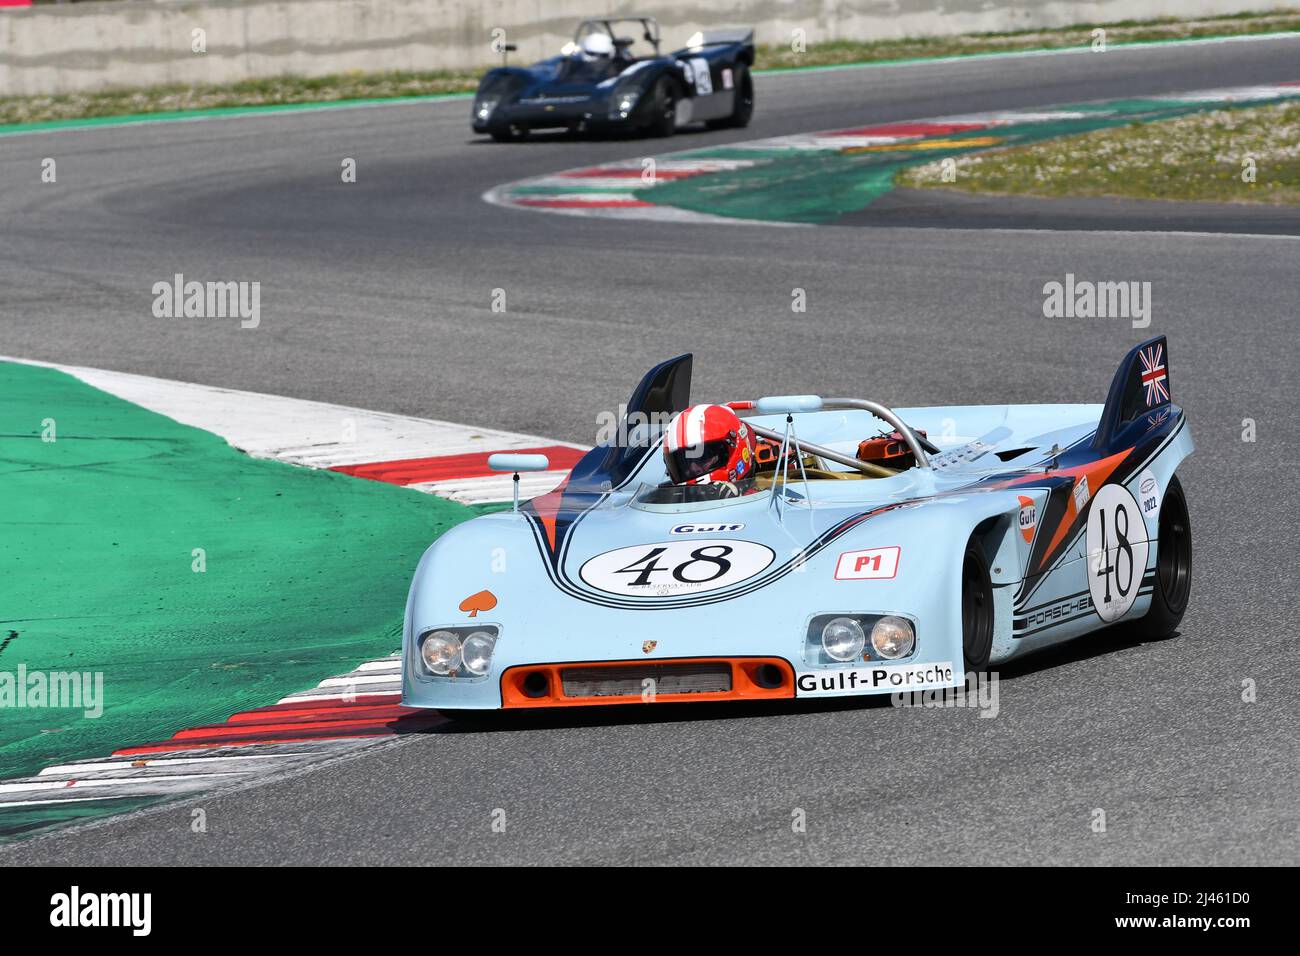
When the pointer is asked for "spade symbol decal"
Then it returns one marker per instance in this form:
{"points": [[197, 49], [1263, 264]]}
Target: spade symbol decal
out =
{"points": [[482, 601]]}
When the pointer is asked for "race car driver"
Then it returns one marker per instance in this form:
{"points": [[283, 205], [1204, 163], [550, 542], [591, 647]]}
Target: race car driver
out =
{"points": [[708, 445], [597, 54]]}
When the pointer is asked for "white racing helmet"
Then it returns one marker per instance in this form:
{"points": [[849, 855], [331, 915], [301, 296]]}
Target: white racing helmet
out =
{"points": [[598, 44]]}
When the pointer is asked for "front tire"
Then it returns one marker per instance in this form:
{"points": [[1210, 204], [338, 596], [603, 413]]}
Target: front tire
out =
{"points": [[509, 134], [976, 609], [1173, 587]]}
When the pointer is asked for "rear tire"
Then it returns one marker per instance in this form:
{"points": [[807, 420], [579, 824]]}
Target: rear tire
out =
{"points": [[976, 609], [743, 110], [1173, 586], [663, 109]]}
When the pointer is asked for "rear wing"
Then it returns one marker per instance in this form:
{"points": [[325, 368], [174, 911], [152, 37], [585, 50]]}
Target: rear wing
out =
{"points": [[1139, 395], [742, 35]]}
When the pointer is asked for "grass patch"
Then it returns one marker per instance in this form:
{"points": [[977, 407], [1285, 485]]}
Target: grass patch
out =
{"points": [[356, 85], [1195, 157], [304, 573], [1126, 31]]}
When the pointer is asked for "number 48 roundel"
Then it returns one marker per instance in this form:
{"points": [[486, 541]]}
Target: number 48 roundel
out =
{"points": [[672, 568], [1117, 551]]}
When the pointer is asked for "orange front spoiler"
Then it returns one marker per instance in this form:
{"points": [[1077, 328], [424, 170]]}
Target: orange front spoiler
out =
{"points": [[542, 685]]}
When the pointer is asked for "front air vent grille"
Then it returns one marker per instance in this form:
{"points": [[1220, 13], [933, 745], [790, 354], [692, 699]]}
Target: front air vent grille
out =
{"points": [[704, 677]]}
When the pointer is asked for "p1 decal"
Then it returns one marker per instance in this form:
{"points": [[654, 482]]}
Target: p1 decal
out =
{"points": [[1028, 519], [1117, 551], [1149, 494], [674, 568], [862, 680], [871, 563]]}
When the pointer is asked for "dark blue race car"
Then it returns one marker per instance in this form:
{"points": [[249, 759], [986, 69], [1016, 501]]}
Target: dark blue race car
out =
{"points": [[600, 83]]}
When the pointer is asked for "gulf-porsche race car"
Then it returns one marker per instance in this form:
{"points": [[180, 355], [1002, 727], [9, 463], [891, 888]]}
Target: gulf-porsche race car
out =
{"points": [[605, 81], [879, 551]]}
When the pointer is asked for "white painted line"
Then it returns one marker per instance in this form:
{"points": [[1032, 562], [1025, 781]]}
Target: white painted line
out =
{"points": [[307, 697], [314, 434], [30, 787], [388, 664], [357, 679], [493, 488], [593, 199], [129, 763], [49, 803]]}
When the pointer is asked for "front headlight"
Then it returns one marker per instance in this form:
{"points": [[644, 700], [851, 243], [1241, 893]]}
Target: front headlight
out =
{"points": [[893, 637], [846, 638], [476, 652], [483, 108], [843, 639], [621, 104], [440, 652]]}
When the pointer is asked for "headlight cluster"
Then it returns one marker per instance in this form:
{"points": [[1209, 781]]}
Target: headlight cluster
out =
{"points": [[624, 103], [484, 106], [458, 651], [845, 638]]}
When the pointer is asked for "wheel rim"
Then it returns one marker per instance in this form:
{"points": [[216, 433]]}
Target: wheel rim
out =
{"points": [[1174, 561], [976, 614]]}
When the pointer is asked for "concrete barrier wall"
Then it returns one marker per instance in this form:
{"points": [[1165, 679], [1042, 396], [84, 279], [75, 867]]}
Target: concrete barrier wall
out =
{"points": [[93, 46]]}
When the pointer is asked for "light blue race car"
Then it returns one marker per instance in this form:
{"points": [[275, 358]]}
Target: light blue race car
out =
{"points": [[880, 551]]}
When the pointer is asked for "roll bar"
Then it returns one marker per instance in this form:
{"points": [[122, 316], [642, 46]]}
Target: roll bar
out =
{"points": [[914, 442], [651, 36], [920, 448], [821, 451]]}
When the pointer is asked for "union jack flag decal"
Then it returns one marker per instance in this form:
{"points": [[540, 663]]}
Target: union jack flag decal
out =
{"points": [[1154, 376]]}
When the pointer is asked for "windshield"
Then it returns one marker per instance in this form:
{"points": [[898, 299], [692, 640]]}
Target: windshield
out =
{"points": [[675, 498]]}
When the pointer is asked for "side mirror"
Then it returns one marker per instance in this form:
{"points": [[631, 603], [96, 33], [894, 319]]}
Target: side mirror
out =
{"points": [[506, 462], [516, 464]]}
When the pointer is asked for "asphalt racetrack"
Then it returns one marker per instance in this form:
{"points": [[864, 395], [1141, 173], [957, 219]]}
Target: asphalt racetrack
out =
{"points": [[378, 294]]}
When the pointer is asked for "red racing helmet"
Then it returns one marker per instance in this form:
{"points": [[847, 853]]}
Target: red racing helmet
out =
{"points": [[708, 443]]}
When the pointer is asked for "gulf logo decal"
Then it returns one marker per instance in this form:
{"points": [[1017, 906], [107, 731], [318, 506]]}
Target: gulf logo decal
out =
{"points": [[1028, 519]]}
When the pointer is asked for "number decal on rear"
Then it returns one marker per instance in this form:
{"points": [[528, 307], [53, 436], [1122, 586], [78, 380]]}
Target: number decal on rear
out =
{"points": [[1117, 551], [676, 567]]}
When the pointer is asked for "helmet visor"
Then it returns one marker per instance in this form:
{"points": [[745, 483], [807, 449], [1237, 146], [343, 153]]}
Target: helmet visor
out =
{"points": [[694, 461]]}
